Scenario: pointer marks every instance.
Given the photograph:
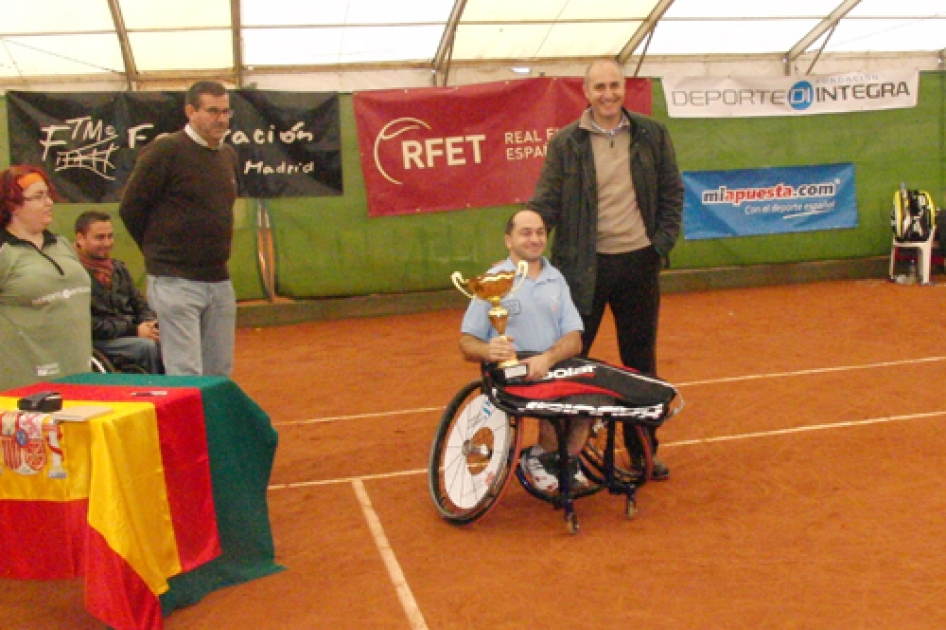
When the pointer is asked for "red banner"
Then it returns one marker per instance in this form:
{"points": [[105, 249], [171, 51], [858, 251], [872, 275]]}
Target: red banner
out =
{"points": [[432, 149]]}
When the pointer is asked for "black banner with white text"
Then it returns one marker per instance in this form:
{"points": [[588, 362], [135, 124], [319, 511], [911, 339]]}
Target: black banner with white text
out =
{"points": [[288, 143]]}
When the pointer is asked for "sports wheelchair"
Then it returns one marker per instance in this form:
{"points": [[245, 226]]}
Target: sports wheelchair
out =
{"points": [[103, 364], [477, 445]]}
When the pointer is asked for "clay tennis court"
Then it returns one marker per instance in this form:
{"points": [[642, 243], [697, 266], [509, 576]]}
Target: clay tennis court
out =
{"points": [[807, 486]]}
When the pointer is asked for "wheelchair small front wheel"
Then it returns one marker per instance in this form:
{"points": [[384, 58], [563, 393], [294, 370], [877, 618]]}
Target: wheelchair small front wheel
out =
{"points": [[571, 523], [630, 508], [472, 456]]}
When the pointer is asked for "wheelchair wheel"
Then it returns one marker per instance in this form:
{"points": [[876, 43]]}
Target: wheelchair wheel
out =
{"points": [[472, 456], [101, 363], [633, 454]]}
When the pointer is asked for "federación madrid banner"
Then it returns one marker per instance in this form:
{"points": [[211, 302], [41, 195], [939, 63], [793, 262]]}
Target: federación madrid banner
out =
{"points": [[738, 97], [431, 149], [289, 143]]}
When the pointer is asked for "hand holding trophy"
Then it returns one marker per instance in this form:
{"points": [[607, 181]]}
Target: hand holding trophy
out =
{"points": [[493, 287]]}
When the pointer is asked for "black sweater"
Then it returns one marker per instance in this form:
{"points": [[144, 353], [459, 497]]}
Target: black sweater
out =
{"points": [[178, 206]]}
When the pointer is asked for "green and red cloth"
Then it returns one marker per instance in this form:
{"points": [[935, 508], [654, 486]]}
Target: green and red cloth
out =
{"points": [[149, 514]]}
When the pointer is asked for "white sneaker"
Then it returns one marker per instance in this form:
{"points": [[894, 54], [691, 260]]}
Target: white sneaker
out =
{"points": [[540, 467]]}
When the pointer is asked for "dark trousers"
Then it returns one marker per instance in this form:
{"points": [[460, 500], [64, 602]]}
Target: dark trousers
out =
{"points": [[630, 284]]}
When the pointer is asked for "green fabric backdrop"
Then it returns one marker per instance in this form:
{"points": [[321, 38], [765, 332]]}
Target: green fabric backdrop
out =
{"points": [[327, 246]]}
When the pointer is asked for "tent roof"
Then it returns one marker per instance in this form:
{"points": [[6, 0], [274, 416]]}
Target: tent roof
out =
{"points": [[149, 44]]}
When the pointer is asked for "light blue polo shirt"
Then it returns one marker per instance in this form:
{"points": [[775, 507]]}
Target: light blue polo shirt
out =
{"points": [[541, 311]]}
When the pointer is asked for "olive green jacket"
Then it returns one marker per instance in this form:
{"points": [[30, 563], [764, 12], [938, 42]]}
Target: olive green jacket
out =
{"points": [[45, 314], [566, 197]]}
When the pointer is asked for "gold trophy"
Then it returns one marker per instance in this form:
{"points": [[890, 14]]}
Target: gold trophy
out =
{"points": [[493, 287]]}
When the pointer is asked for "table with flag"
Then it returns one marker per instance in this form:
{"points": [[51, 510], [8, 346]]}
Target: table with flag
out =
{"points": [[156, 502]]}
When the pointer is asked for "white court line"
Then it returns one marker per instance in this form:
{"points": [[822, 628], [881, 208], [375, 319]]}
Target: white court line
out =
{"points": [[813, 427], [714, 381], [360, 416], [332, 482], [841, 368], [709, 440], [414, 615]]}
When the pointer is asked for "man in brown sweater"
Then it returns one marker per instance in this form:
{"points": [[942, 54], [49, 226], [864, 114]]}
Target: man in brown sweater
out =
{"points": [[178, 206]]}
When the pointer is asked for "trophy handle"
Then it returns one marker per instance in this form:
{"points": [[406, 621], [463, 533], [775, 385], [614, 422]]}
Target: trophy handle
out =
{"points": [[460, 284], [522, 270]]}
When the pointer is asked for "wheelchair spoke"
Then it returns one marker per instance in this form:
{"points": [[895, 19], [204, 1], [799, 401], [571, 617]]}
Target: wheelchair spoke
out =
{"points": [[471, 456]]}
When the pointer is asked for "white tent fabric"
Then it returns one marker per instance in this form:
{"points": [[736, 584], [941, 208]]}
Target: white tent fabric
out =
{"points": [[346, 45]]}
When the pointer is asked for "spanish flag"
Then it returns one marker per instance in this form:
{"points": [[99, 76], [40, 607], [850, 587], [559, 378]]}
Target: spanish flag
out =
{"points": [[122, 499]]}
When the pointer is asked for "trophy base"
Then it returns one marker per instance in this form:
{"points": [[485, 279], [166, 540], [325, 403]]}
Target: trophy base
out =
{"points": [[516, 370]]}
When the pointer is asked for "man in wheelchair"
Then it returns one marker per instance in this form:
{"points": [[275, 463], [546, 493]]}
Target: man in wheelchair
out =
{"points": [[542, 320], [124, 328]]}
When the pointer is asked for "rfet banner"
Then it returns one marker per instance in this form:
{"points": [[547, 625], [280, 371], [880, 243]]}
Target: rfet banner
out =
{"points": [[289, 143], [430, 149], [719, 204]]}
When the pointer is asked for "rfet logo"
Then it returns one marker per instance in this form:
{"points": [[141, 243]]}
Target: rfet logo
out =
{"points": [[411, 144]]}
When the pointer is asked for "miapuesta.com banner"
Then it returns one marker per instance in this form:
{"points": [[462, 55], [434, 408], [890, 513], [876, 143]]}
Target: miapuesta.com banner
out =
{"points": [[753, 202], [738, 97]]}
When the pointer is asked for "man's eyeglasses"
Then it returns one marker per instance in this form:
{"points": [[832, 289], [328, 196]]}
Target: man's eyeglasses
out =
{"points": [[40, 196], [217, 113]]}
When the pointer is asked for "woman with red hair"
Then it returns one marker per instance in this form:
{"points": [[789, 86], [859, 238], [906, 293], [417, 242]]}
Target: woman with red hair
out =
{"points": [[45, 312]]}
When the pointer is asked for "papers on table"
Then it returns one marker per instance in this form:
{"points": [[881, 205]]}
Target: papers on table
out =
{"points": [[80, 413]]}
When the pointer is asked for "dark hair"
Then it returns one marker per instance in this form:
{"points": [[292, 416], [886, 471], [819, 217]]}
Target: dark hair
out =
{"points": [[511, 223], [87, 218], [11, 193], [213, 88], [600, 62]]}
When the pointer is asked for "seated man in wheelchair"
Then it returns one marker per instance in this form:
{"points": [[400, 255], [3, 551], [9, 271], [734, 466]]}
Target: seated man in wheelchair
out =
{"points": [[124, 328], [542, 319]]}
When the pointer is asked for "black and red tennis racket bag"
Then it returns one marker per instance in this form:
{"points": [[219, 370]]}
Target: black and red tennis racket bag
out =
{"points": [[585, 387]]}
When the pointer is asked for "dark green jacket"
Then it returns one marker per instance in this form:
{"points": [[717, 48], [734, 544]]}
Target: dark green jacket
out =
{"points": [[117, 310], [566, 197]]}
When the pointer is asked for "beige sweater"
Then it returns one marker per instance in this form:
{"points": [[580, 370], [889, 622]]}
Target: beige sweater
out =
{"points": [[620, 225]]}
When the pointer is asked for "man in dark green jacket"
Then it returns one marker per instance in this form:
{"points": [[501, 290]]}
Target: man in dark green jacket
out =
{"points": [[123, 325], [612, 195]]}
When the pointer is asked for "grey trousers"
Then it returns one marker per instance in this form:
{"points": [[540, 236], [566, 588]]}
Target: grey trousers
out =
{"points": [[198, 325], [145, 353]]}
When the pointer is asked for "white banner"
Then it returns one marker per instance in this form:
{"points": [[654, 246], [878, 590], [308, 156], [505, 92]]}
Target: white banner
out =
{"points": [[743, 97]]}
